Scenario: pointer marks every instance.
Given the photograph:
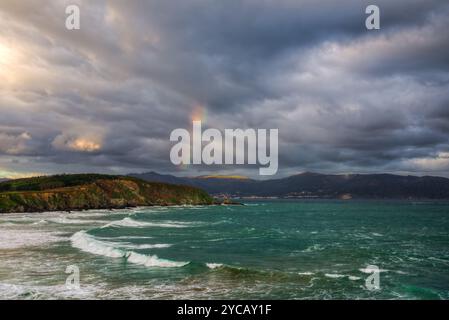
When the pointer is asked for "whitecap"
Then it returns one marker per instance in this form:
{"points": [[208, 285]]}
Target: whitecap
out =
{"points": [[315, 247], [131, 223], [144, 246], [334, 275], [90, 244], [29, 291], [64, 220], [153, 261], [214, 265], [40, 222], [401, 272], [377, 234], [18, 238], [126, 237], [308, 273], [371, 270]]}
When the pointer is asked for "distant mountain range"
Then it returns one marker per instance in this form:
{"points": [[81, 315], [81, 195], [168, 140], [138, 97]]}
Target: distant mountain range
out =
{"points": [[315, 185]]}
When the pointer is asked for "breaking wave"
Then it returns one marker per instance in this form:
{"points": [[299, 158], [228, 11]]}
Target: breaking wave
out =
{"points": [[128, 222], [90, 244], [19, 238]]}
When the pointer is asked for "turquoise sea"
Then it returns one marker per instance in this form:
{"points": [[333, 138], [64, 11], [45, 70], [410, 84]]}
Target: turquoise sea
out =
{"points": [[263, 250]]}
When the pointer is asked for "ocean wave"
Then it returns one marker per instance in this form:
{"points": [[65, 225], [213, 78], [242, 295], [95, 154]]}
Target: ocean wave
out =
{"points": [[219, 239], [124, 237], [18, 238], [128, 245], [9, 224], [131, 223], [144, 246], [334, 275], [51, 217], [90, 244], [245, 272], [17, 221], [307, 273], [33, 292], [40, 222], [64, 220], [153, 261], [315, 247]]}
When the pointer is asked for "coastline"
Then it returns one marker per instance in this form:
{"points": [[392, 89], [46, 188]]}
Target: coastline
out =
{"points": [[93, 191]]}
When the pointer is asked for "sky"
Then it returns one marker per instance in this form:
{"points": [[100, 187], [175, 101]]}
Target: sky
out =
{"points": [[105, 98]]}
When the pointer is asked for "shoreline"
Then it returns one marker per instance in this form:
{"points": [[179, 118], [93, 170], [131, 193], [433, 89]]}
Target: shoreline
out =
{"points": [[127, 208]]}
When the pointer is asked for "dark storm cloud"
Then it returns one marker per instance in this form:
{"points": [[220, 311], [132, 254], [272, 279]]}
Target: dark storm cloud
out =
{"points": [[106, 97], [221, 53]]}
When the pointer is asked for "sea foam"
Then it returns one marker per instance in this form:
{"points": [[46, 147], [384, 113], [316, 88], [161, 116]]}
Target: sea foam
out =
{"points": [[18, 238], [131, 223], [90, 244], [334, 275]]}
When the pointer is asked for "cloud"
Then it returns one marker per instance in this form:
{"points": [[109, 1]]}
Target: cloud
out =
{"points": [[71, 143], [14, 143], [439, 163], [105, 98]]}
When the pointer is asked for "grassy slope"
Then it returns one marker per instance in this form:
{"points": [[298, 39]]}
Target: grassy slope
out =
{"points": [[92, 191]]}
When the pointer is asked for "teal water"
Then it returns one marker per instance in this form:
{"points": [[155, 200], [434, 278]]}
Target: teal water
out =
{"points": [[263, 250]]}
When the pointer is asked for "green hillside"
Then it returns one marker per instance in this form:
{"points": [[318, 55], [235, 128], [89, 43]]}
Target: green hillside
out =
{"points": [[92, 191]]}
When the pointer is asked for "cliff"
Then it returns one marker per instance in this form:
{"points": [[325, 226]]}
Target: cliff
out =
{"points": [[93, 191]]}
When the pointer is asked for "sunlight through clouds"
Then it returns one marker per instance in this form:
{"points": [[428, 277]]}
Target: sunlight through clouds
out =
{"points": [[344, 99]]}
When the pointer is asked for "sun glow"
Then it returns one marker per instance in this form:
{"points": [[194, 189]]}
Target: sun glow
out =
{"points": [[85, 145], [6, 54], [4, 173], [9, 58], [198, 113]]}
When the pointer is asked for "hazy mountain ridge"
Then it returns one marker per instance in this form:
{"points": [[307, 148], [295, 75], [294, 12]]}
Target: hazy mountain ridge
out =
{"points": [[315, 185]]}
